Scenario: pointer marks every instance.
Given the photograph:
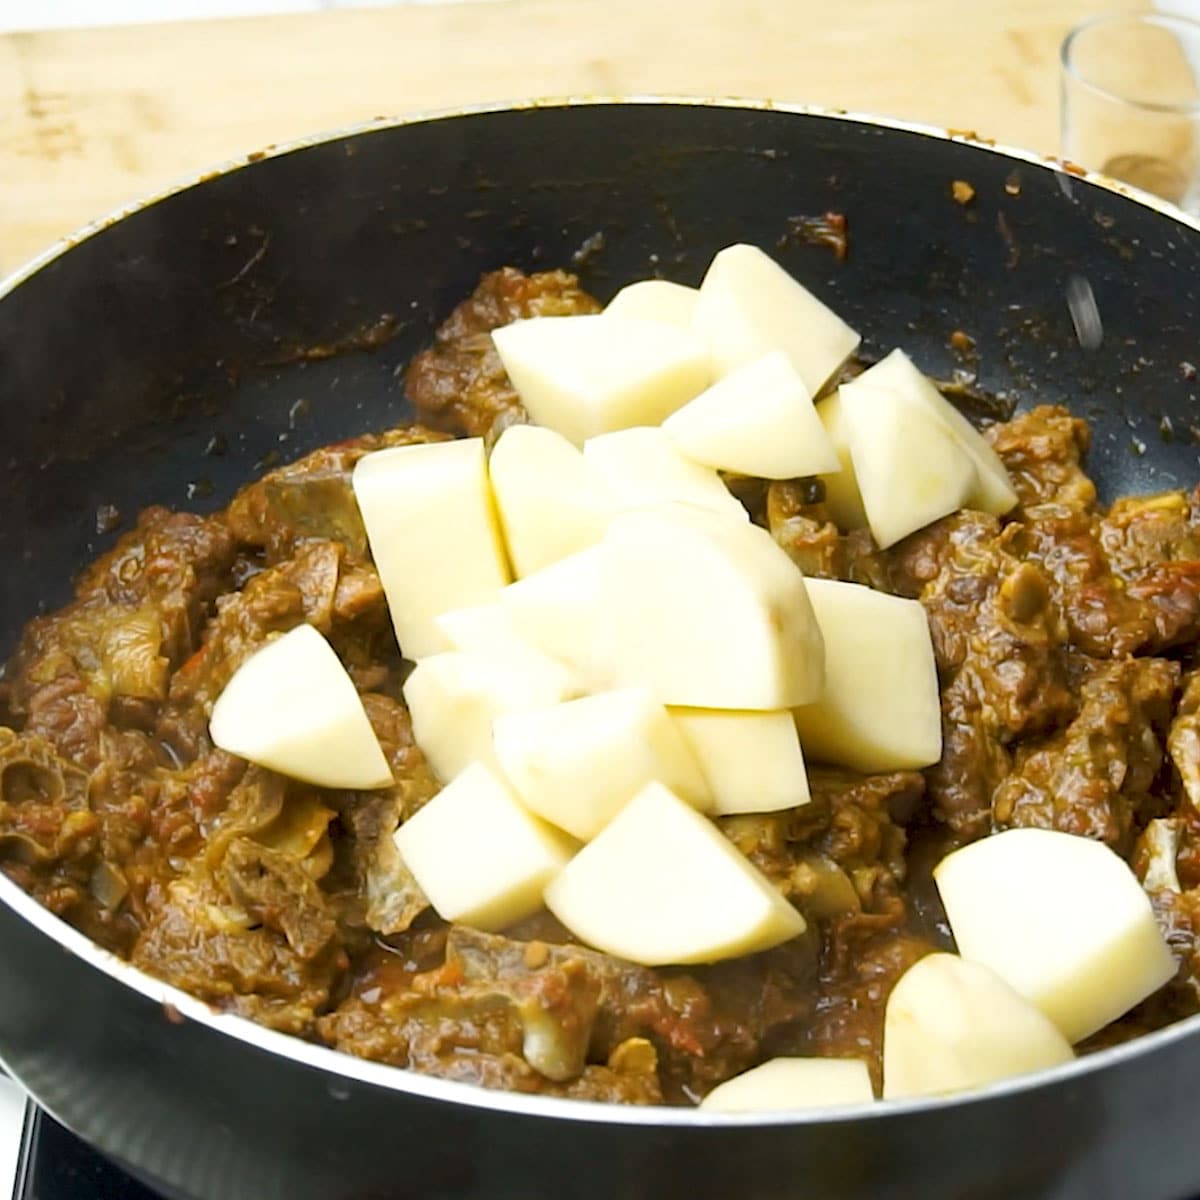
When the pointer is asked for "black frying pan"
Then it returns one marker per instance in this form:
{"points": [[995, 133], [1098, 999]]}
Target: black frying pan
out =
{"points": [[160, 360]]}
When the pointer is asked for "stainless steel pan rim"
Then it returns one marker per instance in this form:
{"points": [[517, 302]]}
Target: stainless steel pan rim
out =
{"points": [[395, 1079]]}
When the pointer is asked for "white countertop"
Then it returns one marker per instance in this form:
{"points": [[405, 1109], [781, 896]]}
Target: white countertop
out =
{"points": [[12, 1121]]}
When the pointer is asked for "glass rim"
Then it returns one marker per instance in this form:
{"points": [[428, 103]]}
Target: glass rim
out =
{"points": [[1163, 20]]}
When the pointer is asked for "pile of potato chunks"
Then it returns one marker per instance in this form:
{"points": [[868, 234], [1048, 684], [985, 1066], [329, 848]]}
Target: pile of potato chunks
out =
{"points": [[609, 654]]}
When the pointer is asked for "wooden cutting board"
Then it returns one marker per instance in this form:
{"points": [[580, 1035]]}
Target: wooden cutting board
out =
{"points": [[90, 119]]}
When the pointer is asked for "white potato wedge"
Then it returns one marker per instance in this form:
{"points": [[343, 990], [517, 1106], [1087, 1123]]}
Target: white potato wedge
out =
{"points": [[587, 375], [478, 855], [291, 707], [841, 487], [749, 305], [784, 1084], [951, 1025], [579, 763], [453, 698], [751, 760], [1062, 919], [660, 884], [910, 468], [758, 420], [880, 709], [897, 373], [415, 502], [707, 611], [642, 467], [551, 501], [487, 631], [555, 609], [656, 300]]}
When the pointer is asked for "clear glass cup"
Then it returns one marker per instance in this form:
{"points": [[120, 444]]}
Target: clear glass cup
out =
{"points": [[1131, 102]]}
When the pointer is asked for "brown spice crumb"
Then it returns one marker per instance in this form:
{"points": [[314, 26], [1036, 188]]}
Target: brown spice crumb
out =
{"points": [[173, 1015], [962, 342], [962, 191]]}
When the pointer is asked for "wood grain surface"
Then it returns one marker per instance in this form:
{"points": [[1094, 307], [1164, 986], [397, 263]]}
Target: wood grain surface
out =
{"points": [[90, 119]]}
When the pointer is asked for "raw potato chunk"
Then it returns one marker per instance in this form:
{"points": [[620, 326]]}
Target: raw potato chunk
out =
{"points": [[841, 488], [880, 710], [758, 420], [433, 532], [478, 856], [789, 1083], [1062, 919], [487, 631], [993, 491], [749, 305], [291, 707], [453, 699], [642, 467], [952, 1025], [909, 467], [555, 610], [707, 611], [591, 374], [660, 884], [656, 300], [578, 764], [551, 501], [751, 760]]}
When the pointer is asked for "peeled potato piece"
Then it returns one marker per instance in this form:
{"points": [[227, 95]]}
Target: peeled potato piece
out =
{"points": [[478, 855], [880, 709], [656, 300], [291, 707], [577, 764], [909, 467], [551, 501], [1062, 919], [842, 496], [952, 1025], [487, 631], [453, 698], [782, 1084], [751, 760], [555, 609], [993, 491], [749, 305], [707, 611], [416, 501], [758, 420], [643, 467], [587, 375], [660, 884]]}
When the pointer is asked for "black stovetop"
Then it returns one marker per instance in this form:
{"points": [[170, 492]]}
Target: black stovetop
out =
{"points": [[56, 1165]]}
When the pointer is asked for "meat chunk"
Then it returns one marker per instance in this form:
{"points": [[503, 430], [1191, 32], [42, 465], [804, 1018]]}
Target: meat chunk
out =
{"points": [[200, 940], [999, 642], [1043, 451], [312, 499], [459, 383], [136, 617], [1095, 777], [803, 527]]}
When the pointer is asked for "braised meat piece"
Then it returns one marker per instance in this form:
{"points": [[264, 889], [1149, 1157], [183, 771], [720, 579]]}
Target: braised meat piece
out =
{"points": [[803, 527], [1095, 777], [1043, 451], [312, 499], [459, 384]]}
